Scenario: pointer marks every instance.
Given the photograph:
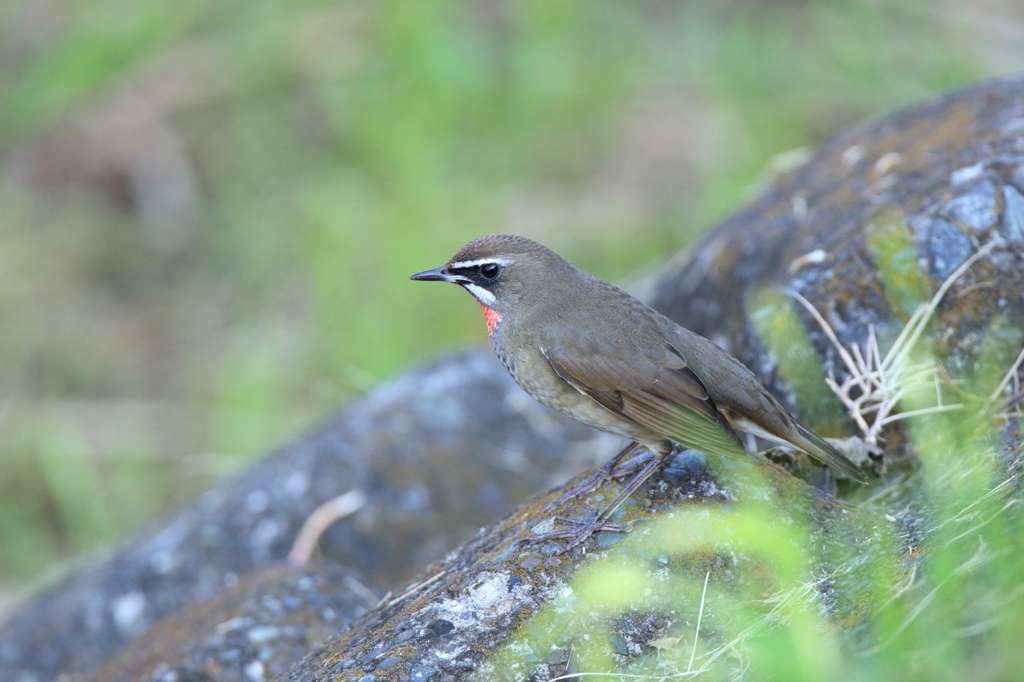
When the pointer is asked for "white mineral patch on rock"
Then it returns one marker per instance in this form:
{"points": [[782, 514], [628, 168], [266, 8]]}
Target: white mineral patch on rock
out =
{"points": [[486, 602]]}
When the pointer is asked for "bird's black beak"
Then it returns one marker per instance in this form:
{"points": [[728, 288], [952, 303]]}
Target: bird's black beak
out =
{"points": [[436, 275]]}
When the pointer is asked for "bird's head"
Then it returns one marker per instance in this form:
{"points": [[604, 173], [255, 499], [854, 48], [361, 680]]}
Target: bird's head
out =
{"points": [[503, 272]]}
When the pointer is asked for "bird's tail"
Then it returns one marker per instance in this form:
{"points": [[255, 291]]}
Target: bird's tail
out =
{"points": [[818, 448]]}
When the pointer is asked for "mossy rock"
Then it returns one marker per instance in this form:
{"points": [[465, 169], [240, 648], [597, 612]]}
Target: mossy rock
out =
{"points": [[867, 230]]}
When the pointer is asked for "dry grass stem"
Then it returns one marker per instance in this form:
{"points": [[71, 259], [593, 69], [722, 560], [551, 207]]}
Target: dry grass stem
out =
{"points": [[700, 615], [1013, 400], [416, 588], [876, 384]]}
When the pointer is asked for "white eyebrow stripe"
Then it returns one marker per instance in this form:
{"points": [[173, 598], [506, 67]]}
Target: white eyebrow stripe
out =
{"points": [[482, 295], [482, 261]]}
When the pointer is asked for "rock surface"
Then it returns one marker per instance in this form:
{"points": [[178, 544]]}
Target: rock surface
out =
{"points": [[438, 452], [258, 629], [481, 617]]}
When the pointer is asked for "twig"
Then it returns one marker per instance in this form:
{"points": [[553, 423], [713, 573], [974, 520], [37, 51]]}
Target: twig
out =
{"points": [[320, 520], [367, 595], [416, 588]]}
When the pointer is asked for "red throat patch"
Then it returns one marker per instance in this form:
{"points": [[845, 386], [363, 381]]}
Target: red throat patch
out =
{"points": [[492, 317]]}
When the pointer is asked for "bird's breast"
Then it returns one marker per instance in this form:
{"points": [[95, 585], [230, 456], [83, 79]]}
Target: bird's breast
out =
{"points": [[534, 374]]}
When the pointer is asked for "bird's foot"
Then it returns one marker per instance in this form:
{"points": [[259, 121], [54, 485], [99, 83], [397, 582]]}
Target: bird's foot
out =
{"points": [[612, 469], [600, 521], [578, 535]]}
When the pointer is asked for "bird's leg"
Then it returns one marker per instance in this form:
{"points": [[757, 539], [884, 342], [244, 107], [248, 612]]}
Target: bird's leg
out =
{"points": [[631, 487], [609, 470], [600, 522]]}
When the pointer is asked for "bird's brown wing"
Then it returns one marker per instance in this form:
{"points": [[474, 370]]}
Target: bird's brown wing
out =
{"points": [[651, 386]]}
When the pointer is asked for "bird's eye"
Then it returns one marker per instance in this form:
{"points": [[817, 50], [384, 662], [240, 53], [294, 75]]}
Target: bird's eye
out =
{"points": [[490, 270]]}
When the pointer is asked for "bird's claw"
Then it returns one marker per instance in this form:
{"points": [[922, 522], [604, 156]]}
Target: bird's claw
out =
{"points": [[578, 491], [578, 535], [599, 523]]}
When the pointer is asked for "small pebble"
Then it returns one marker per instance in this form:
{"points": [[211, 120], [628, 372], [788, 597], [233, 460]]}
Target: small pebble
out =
{"points": [[264, 634], [852, 155], [553, 548], [256, 501], [441, 627], [964, 175], [948, 248], [685, 465], [545, 526], [232, 624], [377, 651], [127, 610], [255, 671], [887, 162], [606, 540], [163, 562]]}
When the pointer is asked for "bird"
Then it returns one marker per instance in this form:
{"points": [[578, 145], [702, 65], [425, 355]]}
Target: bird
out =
{"points": [[589, 350]]}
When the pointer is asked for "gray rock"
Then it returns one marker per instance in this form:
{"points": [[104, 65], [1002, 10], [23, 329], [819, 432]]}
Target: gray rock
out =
{"points": [[1013, 216], [465, 473], [948, 248], [422, 673], [686, 464], [976, 210]]}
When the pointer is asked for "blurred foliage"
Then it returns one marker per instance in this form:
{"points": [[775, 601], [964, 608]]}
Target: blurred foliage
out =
{"points": [[211, 208], [754, 591], [891, 247], [775, 320]]}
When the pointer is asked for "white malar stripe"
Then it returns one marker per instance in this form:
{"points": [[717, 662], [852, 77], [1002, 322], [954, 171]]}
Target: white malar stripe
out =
{"points": [[482, 295], [483, 261]]}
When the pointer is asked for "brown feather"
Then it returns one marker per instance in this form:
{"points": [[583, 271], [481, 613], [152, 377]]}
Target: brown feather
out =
{"points": [[665, 397]]}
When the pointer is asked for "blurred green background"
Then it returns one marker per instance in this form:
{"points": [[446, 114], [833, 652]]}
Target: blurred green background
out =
{"points": [[210, 209]]}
